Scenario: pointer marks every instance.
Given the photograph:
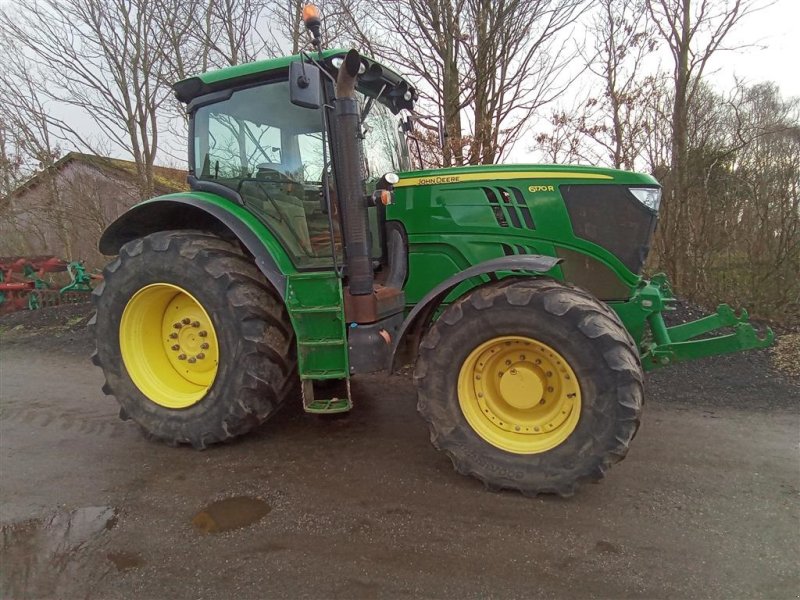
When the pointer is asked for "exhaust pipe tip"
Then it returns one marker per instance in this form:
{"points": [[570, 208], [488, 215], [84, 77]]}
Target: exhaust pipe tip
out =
{"points": [[346, 78]]}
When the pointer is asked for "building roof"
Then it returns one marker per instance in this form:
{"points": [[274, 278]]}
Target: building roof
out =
{"points": [[167, 180]]}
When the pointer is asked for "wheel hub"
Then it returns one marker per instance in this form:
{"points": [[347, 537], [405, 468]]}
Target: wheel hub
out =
{"points": [[185, 328], [169, 345], [521, 387], [519, 395]]}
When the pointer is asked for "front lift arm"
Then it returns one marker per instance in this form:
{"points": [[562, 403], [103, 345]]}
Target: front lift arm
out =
{"points": [[668, 345]]}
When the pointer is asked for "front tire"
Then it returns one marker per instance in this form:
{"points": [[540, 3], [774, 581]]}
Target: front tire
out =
{"points": [[530, 384], [193, 342]]}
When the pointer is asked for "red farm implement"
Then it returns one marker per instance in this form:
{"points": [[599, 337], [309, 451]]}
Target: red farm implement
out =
{"points": [[24, 282]]}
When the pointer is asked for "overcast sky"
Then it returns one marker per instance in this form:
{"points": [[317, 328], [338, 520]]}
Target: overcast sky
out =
{"points": [[772, 54], [765, 46], [776, 28]]}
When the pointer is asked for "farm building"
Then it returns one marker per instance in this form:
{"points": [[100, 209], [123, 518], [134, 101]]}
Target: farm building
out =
{"points": [[63, 210]]}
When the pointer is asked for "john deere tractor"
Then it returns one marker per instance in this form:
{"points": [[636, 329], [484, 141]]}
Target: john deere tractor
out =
{"points": [[307, 253]]}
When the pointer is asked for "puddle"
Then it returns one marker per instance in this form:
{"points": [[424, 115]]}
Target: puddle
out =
{"points": [[124, 561], [230, 513], [39, 556]]}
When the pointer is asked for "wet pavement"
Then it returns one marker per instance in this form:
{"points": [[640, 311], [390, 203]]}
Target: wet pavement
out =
{"points": [[362, 506]]}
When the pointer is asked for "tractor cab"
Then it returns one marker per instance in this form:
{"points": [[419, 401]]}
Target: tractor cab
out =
{"points": [[252, 144]]}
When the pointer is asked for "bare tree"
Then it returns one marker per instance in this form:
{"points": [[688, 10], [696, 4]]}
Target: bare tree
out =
{"points": [[623, 40], [482, 67], [516, 57], [694, 30], [103, 59], [564, 139], [24, 112], [424, 40], [11, 163]]}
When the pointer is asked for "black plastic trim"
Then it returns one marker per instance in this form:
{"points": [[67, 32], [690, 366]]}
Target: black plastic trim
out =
{"points": [[213, 187], [210, 98]]}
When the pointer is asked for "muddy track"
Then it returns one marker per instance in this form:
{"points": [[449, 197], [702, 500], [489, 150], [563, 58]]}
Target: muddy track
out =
{"points": [[704, 506]]}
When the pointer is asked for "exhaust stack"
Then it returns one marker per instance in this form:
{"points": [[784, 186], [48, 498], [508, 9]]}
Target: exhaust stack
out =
{"points": [[349, 161]]}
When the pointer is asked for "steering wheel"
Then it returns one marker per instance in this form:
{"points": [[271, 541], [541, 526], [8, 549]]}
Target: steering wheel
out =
{"points": [[272, 172]]}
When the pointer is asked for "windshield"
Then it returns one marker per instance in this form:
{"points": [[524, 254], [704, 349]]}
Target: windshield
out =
{"points": [[271, 152], [384, 144]]}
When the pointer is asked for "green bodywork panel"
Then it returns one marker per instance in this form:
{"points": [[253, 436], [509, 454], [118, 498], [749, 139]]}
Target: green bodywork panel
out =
{"points": [[451, 226], [458, 217]]}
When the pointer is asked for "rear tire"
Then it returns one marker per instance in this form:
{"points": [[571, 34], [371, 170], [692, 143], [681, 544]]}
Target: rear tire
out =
{"points": [[251, 339], [548, 334]]}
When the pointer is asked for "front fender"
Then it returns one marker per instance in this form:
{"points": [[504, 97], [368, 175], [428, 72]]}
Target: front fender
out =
{"points": [[421, 313], [200, 210]]}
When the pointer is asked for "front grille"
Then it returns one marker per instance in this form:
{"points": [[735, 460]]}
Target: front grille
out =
{"points": [[611, 217]]}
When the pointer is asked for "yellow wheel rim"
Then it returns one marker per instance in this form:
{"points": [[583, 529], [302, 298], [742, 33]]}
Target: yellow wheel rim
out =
{"points": [[169, 345], [519, 395]]}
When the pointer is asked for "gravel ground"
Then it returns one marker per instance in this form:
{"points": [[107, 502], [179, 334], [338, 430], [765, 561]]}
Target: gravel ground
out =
{"points": [[362, 506]]}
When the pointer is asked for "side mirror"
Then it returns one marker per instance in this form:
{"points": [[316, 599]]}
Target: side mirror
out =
{"points": [[305, 85]]}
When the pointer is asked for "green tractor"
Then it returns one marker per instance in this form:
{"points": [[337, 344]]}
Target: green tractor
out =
{"points": [[307, 253]]}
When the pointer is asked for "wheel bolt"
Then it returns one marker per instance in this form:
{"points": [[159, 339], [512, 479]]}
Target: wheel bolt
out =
{"points": [[202, 333], [181, 357], [195, 323], [177, 325], [174, 336], [550, 389], [549, 373], [186, 320], [192, 360], [204, 346], [176, 347], [201, 356], [513, 371]]}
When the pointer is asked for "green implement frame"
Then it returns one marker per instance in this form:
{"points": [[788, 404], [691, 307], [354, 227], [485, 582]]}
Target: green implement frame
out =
{"points": [[687, 341]]}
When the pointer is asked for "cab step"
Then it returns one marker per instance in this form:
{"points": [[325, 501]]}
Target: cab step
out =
{"points": [[336, 396]]}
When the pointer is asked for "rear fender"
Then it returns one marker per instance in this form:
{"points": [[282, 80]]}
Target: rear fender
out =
{"points": [[201, 211], [417, 321]]}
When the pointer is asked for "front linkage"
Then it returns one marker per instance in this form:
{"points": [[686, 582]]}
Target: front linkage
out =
{"points": [[667, 345]]}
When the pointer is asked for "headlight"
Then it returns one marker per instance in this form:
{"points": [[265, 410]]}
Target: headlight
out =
{"points": [[650, 197], [391, 178]]}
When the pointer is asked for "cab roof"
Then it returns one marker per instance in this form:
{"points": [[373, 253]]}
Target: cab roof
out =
{"points": [[399, 93]]}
